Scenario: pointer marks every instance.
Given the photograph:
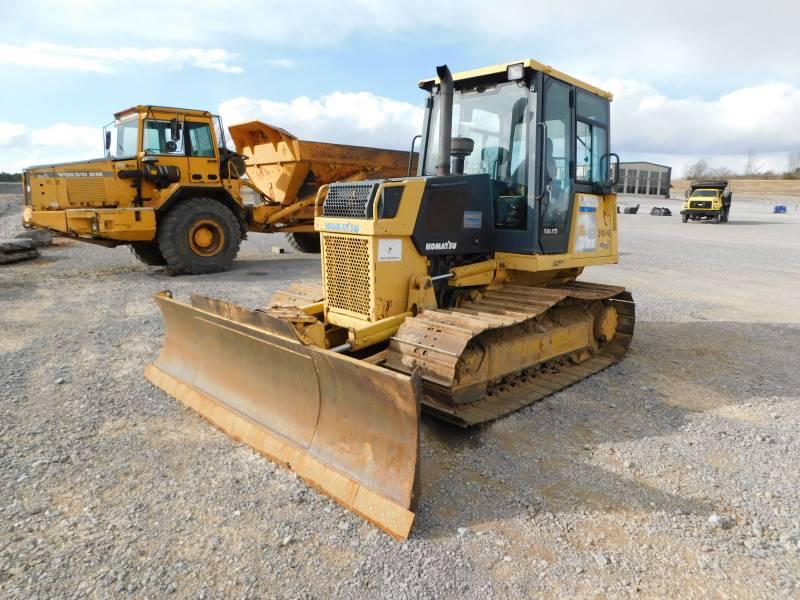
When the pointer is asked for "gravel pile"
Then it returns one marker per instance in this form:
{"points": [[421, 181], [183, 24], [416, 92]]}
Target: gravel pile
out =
{"points": [[672, 474]]}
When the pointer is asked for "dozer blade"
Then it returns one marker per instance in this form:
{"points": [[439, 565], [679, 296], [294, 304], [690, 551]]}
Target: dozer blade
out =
{"points": [[348, 428]]}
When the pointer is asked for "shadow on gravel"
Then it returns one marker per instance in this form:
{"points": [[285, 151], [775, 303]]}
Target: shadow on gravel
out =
{"points": [[246, 271], [562, 454], [742, 223]]}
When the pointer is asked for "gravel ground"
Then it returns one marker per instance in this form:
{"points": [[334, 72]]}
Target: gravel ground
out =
{"points": [[671, 474]]}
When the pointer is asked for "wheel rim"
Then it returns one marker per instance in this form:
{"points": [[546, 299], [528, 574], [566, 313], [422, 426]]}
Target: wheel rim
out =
{"points": [[206, 237]]}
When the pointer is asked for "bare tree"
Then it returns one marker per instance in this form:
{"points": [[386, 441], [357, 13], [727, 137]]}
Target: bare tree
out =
{"points": [[794, 162], [752, 166], [696, 171]]}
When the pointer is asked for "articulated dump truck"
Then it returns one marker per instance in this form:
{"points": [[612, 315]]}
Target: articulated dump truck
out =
{"points": [[454, 292], [171, 189]]}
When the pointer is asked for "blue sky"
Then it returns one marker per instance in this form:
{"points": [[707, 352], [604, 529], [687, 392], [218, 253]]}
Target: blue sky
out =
{"points": [[347, 71]]}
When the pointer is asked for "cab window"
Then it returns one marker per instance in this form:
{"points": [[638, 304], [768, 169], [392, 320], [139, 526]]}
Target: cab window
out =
{"points": [[158, 140], [591, 134], [200, 140]]}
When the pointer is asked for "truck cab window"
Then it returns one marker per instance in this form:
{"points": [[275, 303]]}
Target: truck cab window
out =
{"points": [[591, 137], [557, 154], [495, 118], [157, 139], [126, 142], [200, 140]]}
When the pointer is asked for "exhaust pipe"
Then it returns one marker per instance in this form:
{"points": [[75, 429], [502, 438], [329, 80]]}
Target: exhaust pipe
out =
{"points": [[445, 119]]}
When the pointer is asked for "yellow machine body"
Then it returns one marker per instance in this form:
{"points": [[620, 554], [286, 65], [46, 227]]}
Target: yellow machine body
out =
{"points": [[269, 187], [454, 291]]}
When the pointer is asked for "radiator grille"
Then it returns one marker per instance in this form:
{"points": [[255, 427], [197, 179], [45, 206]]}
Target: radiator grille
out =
{"points": [[700, 204], [348, 281], [86, 190], [350, 200]]}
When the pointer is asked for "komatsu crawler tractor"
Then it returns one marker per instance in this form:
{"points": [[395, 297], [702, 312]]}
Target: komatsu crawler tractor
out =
{"points": [[453, 292]]}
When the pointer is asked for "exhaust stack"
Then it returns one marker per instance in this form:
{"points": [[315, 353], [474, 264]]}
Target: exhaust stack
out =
{"points": [[445, 119]]}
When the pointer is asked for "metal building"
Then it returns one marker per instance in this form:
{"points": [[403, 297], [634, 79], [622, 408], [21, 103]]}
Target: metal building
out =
{"points": [[643, 179], [10, 187]]}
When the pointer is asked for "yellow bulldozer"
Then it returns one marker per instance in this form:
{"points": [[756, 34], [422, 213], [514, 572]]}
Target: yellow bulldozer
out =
{"points": [[171, 189], [453, 292]]}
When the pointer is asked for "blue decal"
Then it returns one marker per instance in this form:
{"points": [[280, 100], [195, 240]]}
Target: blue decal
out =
{"points": [[473, 219]]}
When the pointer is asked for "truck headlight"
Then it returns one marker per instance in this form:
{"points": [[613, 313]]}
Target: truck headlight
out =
{"points": [[515, 72]]}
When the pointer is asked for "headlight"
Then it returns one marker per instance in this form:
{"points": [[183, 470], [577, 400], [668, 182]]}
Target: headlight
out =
{"points": [[515, 72]]}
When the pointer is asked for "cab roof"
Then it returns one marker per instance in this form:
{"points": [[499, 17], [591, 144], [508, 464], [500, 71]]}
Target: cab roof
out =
{"points": [[528, 63], [144, 108]]}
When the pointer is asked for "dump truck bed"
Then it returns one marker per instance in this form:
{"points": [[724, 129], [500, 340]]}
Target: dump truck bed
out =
{"points": [[287, 169], [709, 184]]}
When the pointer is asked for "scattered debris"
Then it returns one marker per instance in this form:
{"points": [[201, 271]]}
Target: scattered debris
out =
{"points": [[40, 237], [14, 250], [661, 211], [631, 210], [720, 521]]}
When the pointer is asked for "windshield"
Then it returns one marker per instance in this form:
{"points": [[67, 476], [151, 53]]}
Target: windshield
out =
{"points": [[124, 138], [494, 119], [704, 194]]}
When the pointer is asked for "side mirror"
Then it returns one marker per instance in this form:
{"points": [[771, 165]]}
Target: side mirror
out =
{"points": [[108, 140], [615, 180], [175, 129], [607, 186]]}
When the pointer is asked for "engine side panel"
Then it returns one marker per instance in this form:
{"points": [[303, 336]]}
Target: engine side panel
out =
{"points": [[455, 216]]}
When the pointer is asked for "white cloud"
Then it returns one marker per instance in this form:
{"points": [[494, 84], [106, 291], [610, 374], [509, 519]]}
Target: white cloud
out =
{"points": [[106, 60], [359, 118], [647, 124], [22, 147], [10, 132], [64, 135], [761, 121], [721, 40]]}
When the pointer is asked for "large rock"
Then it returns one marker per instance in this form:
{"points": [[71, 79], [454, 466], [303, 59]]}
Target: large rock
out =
{"points": [[13, 250], [40, 237]]}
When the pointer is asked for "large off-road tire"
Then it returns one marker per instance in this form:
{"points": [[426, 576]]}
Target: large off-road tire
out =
{"points": [[718, 218], [148, 253], [199, 235], [684, 218], [304, 242]]}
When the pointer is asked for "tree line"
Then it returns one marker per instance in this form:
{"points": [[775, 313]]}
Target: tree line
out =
{"points": [[753, 169], [16, 177]]}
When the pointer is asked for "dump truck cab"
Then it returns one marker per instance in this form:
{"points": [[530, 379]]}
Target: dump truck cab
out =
{"points": [[707, 200]]}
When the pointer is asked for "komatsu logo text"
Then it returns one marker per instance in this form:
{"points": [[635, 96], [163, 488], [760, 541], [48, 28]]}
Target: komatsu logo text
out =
{"points": [[342, 227], [441, 246]]}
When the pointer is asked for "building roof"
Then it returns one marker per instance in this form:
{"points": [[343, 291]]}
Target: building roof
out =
{"points": [[643, 162], [530, 64]]}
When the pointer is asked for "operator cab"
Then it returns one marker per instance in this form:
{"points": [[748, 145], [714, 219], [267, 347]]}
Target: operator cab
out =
{"points": [[541, 137]]}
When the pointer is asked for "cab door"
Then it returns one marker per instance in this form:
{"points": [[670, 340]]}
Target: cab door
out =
{"points": [[556, 193], [201, 152], [163, 145]]}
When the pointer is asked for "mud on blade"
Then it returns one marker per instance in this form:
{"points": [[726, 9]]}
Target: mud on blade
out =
{"points": [[350, 429]]}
